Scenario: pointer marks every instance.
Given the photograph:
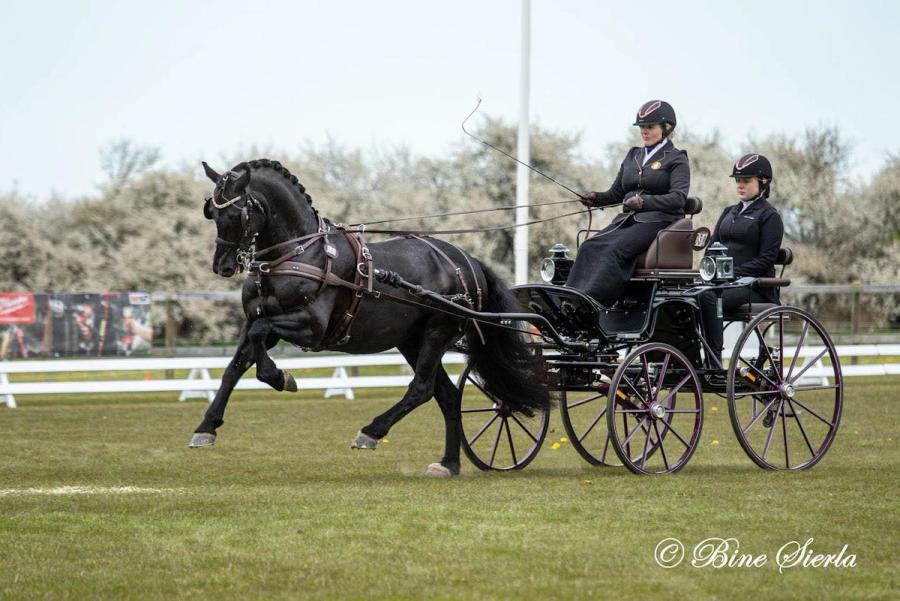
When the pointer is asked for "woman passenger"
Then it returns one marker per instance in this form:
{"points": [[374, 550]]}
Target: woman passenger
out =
{"points": [[752, 231]]}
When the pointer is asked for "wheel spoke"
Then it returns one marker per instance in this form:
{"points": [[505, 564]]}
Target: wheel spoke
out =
{"points": [[479, 387], [496, 444], [799, 402], [755, 393], [662, 448], [762, 343], [769, 437], [605, 449], [757, 370], [815, 387], [646, 448], [512, 447], [758, 416], [633, 432], [593, 423], [668, 426], [810, 364], [675, 390], [633, 389], [780, 365], [799, 346], [682, 411], [787, 456], [483, 428], [802, 429], [662, 373], [521, 425], [583, 401], [632, 410], [646, 370]]}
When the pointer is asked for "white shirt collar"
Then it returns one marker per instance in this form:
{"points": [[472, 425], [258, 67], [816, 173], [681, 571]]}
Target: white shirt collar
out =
{"points": [[649, 153], [746, 203]]}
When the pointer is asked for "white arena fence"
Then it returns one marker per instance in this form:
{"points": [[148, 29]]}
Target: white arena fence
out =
{"points": [[200, 384]]}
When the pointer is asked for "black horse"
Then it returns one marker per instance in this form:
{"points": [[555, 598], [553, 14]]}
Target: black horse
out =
{"points": [[259, 205]]}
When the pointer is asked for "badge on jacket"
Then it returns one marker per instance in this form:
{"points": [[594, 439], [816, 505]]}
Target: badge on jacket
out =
{"points": [[655, 165]]}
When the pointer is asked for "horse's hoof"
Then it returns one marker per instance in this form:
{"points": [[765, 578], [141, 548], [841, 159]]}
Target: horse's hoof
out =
{"points": [[363, 441], [436, 470], [202, 439], [290, 384]]}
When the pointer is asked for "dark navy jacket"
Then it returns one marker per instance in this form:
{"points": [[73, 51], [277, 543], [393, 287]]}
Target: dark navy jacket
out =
{"points": [[662, 183], [753, 239]]}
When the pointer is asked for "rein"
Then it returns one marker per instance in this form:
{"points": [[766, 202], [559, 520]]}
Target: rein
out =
{"points": [[472, 212]]}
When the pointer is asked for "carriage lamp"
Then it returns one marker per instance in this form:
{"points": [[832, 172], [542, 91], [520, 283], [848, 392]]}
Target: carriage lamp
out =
{"points": [[555, 268], [717, 265]]}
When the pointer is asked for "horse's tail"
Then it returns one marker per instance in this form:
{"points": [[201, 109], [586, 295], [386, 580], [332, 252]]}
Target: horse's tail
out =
{"points": [[509, 370]]}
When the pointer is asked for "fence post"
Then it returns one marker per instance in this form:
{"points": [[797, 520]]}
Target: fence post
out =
{"points": [[170, 333], [854, 315]]}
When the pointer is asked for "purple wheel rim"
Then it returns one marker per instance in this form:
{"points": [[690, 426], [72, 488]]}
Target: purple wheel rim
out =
{"points": [[785, 390], [493, 438], [655, 410]]}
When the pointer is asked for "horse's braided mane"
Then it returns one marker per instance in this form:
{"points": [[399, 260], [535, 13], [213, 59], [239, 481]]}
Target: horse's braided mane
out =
{"points": [[277, 167]]}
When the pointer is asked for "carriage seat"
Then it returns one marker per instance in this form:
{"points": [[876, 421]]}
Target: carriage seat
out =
{"points": [[748, 311], [671, 250]]}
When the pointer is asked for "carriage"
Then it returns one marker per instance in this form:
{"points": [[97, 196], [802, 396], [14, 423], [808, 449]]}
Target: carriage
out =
{"points": [[630, 379]]}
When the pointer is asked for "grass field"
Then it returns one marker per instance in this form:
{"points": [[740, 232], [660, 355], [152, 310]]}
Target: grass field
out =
{"points": [[282, 508]]}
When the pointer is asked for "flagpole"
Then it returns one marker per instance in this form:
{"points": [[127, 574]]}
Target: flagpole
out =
{"points": [[520, 243]]}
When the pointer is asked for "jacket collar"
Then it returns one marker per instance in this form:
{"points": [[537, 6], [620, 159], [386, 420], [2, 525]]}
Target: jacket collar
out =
{"points": [[756, 207], [666, 148]]}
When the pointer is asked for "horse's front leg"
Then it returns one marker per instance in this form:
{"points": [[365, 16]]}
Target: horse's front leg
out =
{"points": [[262, 338], [205, 434]]}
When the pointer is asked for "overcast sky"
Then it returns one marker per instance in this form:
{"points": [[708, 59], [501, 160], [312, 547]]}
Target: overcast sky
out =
{"points": [[204, 80]]}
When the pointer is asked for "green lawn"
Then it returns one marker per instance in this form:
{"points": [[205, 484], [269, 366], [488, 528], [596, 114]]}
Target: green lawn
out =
{"points": [[282, 508]]}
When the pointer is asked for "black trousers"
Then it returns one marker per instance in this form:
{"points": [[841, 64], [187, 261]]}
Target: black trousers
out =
{"points": [[606, 261], [731, 300]]}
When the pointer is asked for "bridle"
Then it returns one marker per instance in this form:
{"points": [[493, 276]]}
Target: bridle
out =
{"points": [[245, 247]]}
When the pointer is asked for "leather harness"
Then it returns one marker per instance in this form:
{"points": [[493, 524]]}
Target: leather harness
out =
{"points": [[363, 278]]}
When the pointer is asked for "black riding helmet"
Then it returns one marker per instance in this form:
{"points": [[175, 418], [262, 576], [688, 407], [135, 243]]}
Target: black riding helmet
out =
{"points": [[754, 165], [656, 111]]}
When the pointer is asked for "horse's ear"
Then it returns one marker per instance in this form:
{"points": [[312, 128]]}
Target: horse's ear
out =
{"points": [[210, 173], [207, 207], [240, 184]]}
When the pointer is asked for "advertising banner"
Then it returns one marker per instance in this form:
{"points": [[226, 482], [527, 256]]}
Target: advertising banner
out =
{"points": [[65, 325]]}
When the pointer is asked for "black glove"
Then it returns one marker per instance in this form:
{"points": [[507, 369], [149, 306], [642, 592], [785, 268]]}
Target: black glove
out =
{"points": [[635, 203], [588, 199]]}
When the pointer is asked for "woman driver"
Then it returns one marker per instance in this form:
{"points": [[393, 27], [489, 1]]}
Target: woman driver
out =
{"points": [[752, 231], [652, 184]]}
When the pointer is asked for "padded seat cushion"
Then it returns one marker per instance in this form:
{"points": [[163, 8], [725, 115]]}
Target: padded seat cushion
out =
{"points": [[671, 249]]}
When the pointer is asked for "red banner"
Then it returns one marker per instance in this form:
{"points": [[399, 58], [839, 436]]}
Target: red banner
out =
{"points": [[16, 307]]}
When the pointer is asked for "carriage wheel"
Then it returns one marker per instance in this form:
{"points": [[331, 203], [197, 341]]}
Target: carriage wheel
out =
{"points": [[649, 433], [493, 437], [584, 418], [785, 389]]}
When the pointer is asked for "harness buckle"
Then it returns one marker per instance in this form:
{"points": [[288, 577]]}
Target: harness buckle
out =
{"points": [[361, 270], [263, 267]]}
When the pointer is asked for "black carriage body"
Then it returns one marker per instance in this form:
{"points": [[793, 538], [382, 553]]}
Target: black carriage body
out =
{"points": [[650, 311]]}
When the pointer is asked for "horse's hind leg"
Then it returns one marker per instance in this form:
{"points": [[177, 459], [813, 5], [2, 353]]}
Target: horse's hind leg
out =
{"points": [[205, 434], [447, 396], [368, 436], [262, 339]]}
